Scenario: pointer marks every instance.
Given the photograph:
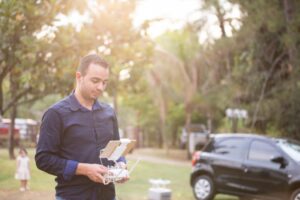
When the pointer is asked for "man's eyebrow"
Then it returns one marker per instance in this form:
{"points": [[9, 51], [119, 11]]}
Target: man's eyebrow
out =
{"points": [[98, 79]]}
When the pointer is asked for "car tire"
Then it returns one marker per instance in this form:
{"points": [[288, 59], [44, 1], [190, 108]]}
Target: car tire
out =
{"points": [[204, 188], [295, 195]]}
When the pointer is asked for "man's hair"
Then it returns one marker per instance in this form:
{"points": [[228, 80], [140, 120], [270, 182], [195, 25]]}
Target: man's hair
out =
{"points": [[89, 59]]}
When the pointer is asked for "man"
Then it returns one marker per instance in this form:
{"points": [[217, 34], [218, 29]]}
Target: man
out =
{"points": [[72, 133]]}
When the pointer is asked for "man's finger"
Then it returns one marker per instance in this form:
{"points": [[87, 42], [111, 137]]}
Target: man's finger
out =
{"points": [[102, 170], [100, 178]]}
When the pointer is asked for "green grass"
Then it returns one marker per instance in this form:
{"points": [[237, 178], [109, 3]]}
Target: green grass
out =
{"points": [[39, 180], [135, 189], [139, 183]]}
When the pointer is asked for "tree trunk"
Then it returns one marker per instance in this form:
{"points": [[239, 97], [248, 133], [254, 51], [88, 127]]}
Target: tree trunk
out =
{"points": [[162, 120], [160, 134], [174, 136], [1, 98], [162, 109], [221, 18], [161, 131], [289, 10], [264, 87], [13, 86], [188, 117], [234, 124], [11, 141], [139, 132]]}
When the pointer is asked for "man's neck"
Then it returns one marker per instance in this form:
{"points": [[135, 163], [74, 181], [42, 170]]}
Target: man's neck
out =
{"points": [[84, 102]]}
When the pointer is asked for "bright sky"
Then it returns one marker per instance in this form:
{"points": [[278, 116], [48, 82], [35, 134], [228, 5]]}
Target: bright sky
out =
{"points": [[170, 15], [176, 12]]}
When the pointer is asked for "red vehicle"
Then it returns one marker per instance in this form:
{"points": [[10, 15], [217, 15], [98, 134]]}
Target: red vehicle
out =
{"points": [[4, 134]]}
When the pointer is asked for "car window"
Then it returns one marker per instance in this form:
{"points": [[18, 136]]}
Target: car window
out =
{"points": [[231, 147], [262, 151], [290, 147], [209, 146]]}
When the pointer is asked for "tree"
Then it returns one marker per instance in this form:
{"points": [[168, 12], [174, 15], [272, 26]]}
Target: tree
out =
{"points": [[35, 49], [19, 21], [121, 43], [178, 57], [269, 60]]}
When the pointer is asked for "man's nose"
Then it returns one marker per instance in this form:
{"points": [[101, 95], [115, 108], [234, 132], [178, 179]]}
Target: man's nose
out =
{"points": [[101, 86]]}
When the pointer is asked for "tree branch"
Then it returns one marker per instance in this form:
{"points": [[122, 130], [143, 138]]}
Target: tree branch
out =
{"points": [[15, 99], [262, 93], [32, 100]]}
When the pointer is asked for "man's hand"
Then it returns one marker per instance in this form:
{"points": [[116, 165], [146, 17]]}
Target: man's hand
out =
{"points": [[124, 166], [94, 172]]}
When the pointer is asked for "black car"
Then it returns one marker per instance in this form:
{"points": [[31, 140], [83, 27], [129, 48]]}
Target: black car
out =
{"points": [[248, 166]]}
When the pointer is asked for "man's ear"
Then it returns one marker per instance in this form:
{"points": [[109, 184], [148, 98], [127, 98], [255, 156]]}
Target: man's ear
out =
{"points": [[78, 75]]}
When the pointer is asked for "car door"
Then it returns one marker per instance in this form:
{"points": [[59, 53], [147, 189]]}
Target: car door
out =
{"points": [[227, 160], [261, 176]]}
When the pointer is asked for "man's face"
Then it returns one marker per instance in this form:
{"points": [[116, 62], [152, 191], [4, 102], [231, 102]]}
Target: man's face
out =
{"points": [[94, 82]]}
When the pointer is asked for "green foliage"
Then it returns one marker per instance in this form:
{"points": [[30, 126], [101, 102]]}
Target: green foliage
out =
{"points": [[45, 56], [25, 57], [257, 68], [265, 67], [37, 109], [39, 58], [175, 121], [289, 113], [144, 115], [182, 43]]}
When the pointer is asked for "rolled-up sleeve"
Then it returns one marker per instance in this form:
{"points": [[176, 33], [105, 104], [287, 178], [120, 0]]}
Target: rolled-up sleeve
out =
{"points": [[47, 155], [70, 169]]}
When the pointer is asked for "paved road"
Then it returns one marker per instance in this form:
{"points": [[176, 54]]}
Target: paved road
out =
{"points": [[140, 154], [28, 195]]}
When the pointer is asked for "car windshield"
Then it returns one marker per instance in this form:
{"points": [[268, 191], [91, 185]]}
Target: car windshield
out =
{"points": [[291, 147]]}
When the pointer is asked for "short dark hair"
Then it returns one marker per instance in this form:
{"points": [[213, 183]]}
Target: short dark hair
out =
{"points": [[88, 59]]}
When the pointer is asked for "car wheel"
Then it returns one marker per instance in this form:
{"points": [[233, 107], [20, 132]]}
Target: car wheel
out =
{"points": [[296, 195], [204, 188]]}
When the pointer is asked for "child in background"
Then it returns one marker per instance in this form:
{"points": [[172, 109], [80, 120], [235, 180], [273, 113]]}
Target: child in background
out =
{"points": [[23, 172]]}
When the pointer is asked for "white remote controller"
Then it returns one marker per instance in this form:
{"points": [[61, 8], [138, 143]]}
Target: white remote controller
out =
{"points": [[113, 151], [115, 174]]}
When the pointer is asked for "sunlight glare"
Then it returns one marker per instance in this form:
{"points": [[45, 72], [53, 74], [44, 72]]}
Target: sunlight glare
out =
{"points": [[124, 74], [174, 14], [74, 18]]}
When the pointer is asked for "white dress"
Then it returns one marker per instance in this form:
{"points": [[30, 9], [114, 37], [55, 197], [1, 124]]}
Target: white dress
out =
{"points": [[23, 168]]}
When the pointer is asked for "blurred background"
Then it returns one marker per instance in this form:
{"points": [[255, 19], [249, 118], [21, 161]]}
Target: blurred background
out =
{"points": [[177, 66]]}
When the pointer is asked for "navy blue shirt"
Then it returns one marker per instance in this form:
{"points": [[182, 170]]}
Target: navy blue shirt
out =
{"points": [[69, 134]]}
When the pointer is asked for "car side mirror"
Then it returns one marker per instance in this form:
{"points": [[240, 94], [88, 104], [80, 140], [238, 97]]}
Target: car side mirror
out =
{"points": [[280, 160]]}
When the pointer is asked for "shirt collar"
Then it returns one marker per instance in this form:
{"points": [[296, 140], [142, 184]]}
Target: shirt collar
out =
{"points": [[75, 105], [96, 105]]}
